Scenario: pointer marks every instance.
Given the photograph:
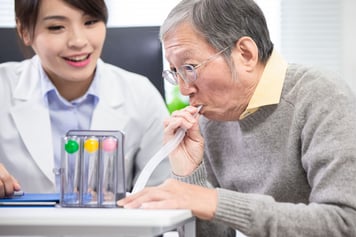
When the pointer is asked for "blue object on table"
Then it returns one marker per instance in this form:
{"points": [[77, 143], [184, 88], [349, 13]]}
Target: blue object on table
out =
{"points": [[31, 200]]}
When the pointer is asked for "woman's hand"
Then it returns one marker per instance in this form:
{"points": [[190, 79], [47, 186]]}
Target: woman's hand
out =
{"points": [[189, 153], [8, 184], [173, 194]]}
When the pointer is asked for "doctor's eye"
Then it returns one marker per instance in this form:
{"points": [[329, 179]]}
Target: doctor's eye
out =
{"points": [[91, 22], [55, 28]]}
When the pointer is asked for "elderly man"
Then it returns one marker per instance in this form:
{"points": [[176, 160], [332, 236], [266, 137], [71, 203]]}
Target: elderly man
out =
{"points": [[274, 151]]}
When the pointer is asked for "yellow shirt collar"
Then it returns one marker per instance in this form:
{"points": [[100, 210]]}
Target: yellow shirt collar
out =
{"points": [[269, 88]]}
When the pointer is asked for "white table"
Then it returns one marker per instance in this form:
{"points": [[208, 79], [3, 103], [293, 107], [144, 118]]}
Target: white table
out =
{"points": [[93, 221]]}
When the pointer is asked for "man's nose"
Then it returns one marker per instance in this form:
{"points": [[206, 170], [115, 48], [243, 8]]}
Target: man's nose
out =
{"points": [[186, 88]]}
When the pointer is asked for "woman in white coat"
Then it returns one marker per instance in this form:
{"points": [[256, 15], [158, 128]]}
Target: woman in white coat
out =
{"points": [[66, 86]]}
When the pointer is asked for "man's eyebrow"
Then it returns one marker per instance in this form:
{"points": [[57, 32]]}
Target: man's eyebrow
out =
{"points": [[186, 54]]}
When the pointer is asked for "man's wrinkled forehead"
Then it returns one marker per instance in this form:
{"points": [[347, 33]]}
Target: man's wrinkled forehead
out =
{"points": [[183, 42], [179, 53]]}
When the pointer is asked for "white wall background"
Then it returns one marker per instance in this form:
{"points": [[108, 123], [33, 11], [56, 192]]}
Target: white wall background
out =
{"points": [[348, 52], [121, 12], [317, 32], [138, 12]]}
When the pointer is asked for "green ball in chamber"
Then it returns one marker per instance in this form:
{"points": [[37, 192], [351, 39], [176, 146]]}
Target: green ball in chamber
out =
{"points": [[71, 146]]}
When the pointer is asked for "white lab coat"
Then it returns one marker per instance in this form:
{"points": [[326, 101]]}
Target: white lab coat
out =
{"points": [[128, 102]]}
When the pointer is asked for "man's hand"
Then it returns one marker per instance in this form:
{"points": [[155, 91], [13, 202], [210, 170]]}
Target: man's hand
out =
{"points": [[189, 153], [173, 194]]}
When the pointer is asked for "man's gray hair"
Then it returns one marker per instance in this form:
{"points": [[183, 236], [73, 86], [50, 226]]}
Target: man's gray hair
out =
{"points": [[222, 23]]}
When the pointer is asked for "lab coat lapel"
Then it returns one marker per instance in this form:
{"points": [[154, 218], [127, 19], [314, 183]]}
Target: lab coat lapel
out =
{"points": [[107, 118], [109, 113], [31, 117]]}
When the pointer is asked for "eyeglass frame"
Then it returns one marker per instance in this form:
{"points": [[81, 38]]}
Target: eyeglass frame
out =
{"points": [[172, 76]]}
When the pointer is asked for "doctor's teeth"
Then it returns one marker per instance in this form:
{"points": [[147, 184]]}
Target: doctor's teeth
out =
{"points": [[78, 58]]}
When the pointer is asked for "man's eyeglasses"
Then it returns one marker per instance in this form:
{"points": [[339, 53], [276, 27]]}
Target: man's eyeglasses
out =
{"points": [[187, 72]]}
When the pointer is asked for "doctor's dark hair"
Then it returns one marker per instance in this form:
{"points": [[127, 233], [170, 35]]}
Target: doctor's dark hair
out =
{"points": [[222, 23], [26, 11]]}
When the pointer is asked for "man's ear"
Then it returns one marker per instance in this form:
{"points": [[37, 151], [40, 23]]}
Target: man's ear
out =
{"points": [[246, 52], [24, 34]]}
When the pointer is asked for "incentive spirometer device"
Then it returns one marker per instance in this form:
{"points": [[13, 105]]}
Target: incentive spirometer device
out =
{"points": [[92, 168]]}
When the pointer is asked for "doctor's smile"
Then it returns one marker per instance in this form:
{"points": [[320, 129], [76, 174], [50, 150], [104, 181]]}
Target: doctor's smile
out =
{"points": [[78, 61]]}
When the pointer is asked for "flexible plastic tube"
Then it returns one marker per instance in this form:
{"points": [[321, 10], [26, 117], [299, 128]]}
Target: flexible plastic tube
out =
{"points": [[158, 157]]}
